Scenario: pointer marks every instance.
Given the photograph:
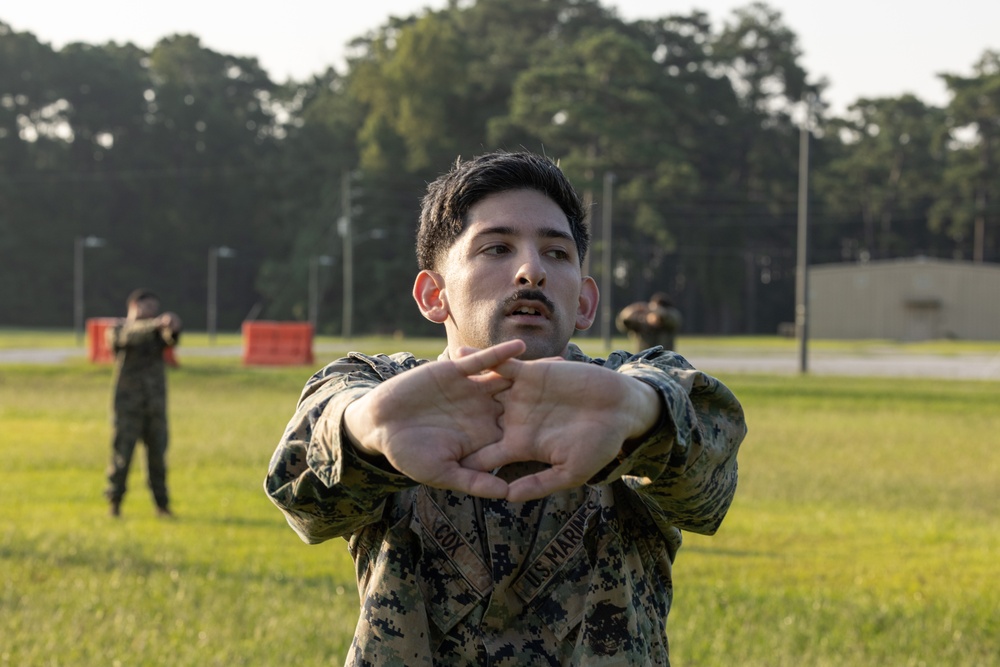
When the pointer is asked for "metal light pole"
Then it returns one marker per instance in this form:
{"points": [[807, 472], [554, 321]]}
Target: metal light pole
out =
{"points": [[214, 253], [344, 228], [802, 250], [314, 264], [606, 285], [79, 244], [349, 240]]}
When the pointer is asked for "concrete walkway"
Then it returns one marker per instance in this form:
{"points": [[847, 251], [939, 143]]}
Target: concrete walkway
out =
{"points": [[58, 355], [955, 367]]}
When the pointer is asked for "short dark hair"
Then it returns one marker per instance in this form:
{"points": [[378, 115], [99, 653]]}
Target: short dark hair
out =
{"points": [[138, 295], [446, 205]]}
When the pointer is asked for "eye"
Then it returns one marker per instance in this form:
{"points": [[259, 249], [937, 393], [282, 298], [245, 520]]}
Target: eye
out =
{"points": [[557, 253], [498, 249]]}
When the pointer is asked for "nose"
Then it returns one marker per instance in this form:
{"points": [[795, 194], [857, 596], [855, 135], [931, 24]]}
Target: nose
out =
{"points": [[531, 273]]}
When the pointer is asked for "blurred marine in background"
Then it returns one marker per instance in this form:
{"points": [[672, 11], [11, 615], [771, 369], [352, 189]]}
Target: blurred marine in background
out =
{"points": [[651, 323], [140, 396]]}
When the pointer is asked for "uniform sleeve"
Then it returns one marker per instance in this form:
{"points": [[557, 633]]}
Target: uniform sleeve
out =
{"points": [[685, 470], [317, 479], [170, 337], [138, 332]]}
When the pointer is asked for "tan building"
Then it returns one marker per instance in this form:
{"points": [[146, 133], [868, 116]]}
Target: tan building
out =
{"points": [[905, 299]]}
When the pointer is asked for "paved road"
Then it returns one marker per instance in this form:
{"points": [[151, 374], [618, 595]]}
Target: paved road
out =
{"points": [[957, 367], [889, 364], [58, 355]]}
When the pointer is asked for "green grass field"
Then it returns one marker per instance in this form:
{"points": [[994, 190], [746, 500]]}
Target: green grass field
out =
{"points": [[866, 530]]}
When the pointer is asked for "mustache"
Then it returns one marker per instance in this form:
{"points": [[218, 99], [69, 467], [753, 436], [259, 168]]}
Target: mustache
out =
{"points": [[529, 295]]}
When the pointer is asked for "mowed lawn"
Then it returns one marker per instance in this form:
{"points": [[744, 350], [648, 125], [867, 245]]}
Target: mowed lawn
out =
{"points": [[866, 530]]}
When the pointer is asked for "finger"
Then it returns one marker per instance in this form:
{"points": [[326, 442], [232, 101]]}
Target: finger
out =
{"points": [[513, 368], [491, 383], [510, 368], [491, 457], [539, 485], [473, 483], [465, 351], [490, 357]]}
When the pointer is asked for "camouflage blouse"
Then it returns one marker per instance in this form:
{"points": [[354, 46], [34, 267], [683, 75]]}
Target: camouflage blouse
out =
{"points": [[581, 577], [138, 345]]}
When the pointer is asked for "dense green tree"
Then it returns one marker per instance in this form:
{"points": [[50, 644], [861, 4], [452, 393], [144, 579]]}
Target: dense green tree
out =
{"points": [[318, 148], [969, 208], [606, 106], [156, 153], [429, 87], [885, 176], [760, 56], [35, 228], [168, 153], [415, 91], [102, 97]]}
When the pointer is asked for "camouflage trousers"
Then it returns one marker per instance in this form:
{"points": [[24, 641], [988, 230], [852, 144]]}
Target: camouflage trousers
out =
{"points": [[129, 427]]}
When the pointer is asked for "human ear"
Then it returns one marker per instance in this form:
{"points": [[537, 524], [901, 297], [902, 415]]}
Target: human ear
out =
{"points": [[428, 292], [586, 310]]}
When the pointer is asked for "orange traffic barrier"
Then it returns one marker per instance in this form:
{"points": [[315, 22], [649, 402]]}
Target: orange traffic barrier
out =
{"points": [[277, 343], [98, 351]]}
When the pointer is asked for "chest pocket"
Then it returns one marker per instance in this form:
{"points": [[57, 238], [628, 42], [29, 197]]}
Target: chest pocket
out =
{"points": [[452, 575]]}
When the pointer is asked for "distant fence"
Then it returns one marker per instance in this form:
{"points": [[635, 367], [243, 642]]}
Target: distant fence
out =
{"points": [[277, 343]]}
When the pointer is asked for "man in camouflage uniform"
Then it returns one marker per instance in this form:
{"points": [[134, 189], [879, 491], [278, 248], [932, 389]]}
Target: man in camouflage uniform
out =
{"points": [[514, 502], [140, 396], [651, 323]]}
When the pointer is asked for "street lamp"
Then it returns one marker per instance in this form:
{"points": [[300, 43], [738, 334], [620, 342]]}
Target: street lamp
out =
{"points": [[214, 253], [802, 242], [314, 264], [79, 243]]}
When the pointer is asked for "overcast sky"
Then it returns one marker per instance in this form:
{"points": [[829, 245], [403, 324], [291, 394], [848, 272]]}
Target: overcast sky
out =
{"points": [[867, 48]]}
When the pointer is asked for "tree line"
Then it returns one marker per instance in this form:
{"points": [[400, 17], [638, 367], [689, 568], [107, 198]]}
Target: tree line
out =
{"points": [[685, 132]]}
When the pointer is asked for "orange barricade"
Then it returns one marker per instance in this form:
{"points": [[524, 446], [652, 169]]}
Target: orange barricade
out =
{"points": [[277, 343], [98, 351]]}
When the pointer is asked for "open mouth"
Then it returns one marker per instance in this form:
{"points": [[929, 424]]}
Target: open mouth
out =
{"points": [[529, 306], [529, 311]]}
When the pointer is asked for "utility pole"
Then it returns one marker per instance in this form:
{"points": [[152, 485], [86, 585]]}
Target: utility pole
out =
{"points": [[979, 226], [802, 250], [80, 243], [313, 290], [78, 289], [344, 227], [606, 285], [214, 253], [314, 264]]}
